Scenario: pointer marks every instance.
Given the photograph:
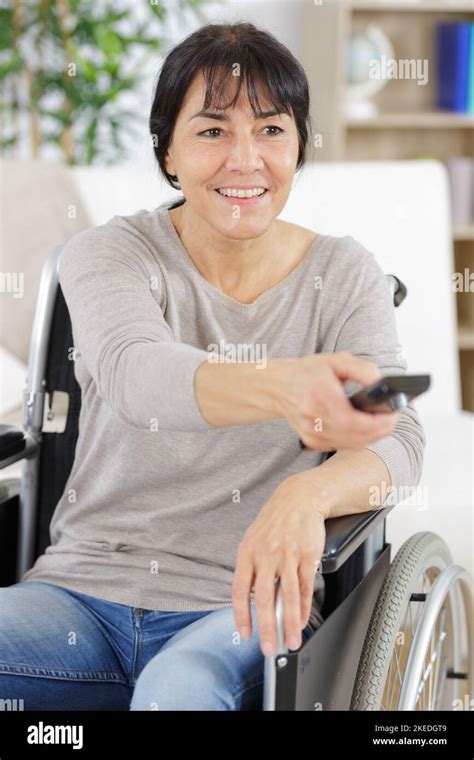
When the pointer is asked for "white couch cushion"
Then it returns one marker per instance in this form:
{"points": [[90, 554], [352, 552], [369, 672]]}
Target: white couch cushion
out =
{"points": [[13, 377]]}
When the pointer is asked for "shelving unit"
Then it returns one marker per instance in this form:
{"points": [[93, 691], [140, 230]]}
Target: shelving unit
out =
{"points": [[407, 124], [463, 233], [413, 120]]}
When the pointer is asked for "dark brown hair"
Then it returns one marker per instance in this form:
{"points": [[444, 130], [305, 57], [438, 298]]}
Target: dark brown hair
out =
{"points": [[214, 50]]}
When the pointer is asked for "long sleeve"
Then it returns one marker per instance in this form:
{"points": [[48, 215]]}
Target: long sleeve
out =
{"points": [[369, 332], [112, 286]]}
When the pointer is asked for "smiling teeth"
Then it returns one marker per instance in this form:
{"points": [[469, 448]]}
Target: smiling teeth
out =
{"points": [[241, 193]]}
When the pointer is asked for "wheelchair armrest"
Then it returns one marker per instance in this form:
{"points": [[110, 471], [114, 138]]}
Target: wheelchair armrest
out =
{"points": [[15, 444], [346, 533]]}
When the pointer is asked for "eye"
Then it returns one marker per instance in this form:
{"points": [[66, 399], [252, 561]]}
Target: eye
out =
{"points": [[211, 129], [272, 126], [218, 129]]}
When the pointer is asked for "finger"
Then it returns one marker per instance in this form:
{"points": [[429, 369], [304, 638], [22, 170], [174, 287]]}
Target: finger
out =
{"points": [[348, 367], [241, 587], [351, 420], [264, 598], [290, 592], [347, 427], [368, 423], [307, 570]]}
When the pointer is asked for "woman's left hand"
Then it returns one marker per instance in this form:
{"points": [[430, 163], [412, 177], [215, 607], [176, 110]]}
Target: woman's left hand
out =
{"points": [[286, 540]]}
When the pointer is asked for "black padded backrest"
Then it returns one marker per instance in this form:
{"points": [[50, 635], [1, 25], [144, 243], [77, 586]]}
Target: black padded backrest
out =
{"points": [[57, 449]]}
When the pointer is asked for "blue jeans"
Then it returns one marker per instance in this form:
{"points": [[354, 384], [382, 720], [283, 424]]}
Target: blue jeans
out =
{"points": [[64, 650]]}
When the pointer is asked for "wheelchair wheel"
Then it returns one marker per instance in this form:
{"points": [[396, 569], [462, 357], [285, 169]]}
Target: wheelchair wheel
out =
{"points": [[417, 653]]}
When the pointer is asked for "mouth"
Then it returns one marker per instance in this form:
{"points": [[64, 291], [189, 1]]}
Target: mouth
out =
{"points": [[251, 200]]}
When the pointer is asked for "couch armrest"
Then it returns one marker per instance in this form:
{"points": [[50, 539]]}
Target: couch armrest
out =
{"points": [[15, 444]]}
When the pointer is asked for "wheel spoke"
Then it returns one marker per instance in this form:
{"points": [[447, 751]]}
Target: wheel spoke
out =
{"points": [[387, 689], [439, 660], [430, 685], [439, 647], [432, 695], [397, 672]]}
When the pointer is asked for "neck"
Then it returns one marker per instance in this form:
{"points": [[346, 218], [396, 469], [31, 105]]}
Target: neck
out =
{"points": [[225, 262]]}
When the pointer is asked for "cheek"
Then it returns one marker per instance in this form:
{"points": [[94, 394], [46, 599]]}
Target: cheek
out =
{"points": [[281, 156], [281, 167], [201, 160]]}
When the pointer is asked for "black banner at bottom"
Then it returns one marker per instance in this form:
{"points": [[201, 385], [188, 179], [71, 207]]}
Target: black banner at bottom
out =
{"points": [[374, 734]]}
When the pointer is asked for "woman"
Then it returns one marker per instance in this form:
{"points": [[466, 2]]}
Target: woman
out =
{"points": [[210, 338]]}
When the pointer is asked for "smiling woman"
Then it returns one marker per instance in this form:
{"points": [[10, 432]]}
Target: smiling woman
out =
{"points": [[190, 494], [238, 54], [230, 118]]}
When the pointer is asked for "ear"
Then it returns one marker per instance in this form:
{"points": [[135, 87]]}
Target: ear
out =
{"points": [[169, 165]]}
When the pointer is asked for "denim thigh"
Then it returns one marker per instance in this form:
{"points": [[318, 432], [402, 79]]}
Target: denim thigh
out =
{"points": [[206, 666], [64, 650], [61, 649], [55, 653]]}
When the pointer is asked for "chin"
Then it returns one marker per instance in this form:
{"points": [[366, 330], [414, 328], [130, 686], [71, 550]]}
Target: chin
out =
{"points": [[241, 229], [246, 226]]}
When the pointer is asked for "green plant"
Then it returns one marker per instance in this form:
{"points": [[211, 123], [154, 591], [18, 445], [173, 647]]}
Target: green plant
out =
{"points": [[65, 66]]}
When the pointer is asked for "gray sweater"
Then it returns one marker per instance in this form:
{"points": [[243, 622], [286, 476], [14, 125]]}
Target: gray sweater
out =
{"points": [[158, 499]]}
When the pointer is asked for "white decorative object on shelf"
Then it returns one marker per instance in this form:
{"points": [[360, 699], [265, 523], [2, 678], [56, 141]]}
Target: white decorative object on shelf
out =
{"points": [[367, 51]]}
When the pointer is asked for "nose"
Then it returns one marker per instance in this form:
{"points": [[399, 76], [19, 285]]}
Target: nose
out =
{"points": [[244, 154]]}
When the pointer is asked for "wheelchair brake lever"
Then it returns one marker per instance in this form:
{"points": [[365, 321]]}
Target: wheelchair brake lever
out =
{"points": [[277, 660], [281, 647], [272, 661]]}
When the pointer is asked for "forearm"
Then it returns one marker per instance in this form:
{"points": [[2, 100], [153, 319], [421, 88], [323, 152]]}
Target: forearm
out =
{"points": [[240, 393], [349, 482]]}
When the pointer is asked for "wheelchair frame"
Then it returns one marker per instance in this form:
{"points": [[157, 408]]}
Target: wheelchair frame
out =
{"points": [[354, 564]]}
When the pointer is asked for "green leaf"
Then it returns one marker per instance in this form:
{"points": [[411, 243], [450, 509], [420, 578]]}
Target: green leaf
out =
{"points": [[91, 135], [157, 8], [113, 16], [8, 142], [88, 68], [108, 41], [13, 66], [63, 118], [112, 68]]}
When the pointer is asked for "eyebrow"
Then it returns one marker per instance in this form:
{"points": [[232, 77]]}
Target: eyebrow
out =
{"points": [[225, 117]]}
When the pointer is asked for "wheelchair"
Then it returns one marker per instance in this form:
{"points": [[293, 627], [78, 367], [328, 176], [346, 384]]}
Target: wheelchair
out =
{"points": [[395, 635]]}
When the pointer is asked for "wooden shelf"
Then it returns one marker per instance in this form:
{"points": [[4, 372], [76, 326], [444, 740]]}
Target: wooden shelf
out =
{"points": [[430, 6], [463, 233], [465, 339], [408, 123], [413, 120]]}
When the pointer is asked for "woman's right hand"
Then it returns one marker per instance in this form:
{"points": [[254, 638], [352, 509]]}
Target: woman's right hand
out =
{"points": [[311, 398]]}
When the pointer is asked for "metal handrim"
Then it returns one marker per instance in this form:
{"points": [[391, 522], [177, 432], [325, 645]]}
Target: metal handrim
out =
{"points": [[440, 631]]}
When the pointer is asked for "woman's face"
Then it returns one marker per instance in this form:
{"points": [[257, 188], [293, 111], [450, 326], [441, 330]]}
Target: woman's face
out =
{"points": [[235, 149]]}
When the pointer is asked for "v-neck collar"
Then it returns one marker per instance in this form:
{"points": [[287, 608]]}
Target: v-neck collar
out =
{"points": [[264, 297]]}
